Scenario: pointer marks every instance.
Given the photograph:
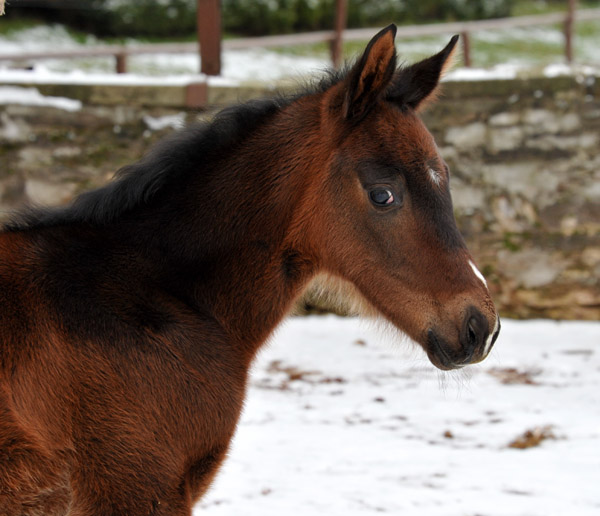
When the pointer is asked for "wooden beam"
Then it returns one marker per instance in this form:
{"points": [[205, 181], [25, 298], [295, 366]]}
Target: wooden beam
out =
{"points": [[208, 17]]}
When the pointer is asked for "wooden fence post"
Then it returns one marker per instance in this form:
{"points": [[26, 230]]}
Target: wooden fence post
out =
{"points": [[208, 16], [569, 22], [341, 14], [121, 63], [466, 46]]}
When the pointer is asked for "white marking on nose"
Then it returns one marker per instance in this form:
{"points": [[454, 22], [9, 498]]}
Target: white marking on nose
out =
{"points": [[488, 342], [477, 273], [434, 176]]}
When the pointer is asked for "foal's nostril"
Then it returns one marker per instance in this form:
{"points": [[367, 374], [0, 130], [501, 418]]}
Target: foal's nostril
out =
{"points": [[475, 332], [471, 333]]}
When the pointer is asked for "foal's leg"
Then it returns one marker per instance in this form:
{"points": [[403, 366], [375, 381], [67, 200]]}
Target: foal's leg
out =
{"points": [[202, 473], [98, 492], [99, 499], [118, 482], [106, 507]]}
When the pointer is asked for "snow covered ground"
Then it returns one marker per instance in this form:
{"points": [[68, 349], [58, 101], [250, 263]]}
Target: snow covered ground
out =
{"points": [[343, 419]]}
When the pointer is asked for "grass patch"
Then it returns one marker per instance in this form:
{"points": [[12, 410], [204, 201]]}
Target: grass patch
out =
{"points": [[10, 26], [541, 47], [538, 45], [526, 7], [532, 438]]}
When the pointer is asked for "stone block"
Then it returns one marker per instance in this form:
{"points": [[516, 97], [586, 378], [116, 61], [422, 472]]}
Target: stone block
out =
{"points": [[13, 130], [537, 182], [574, 144], [32, 157], [591, 192], [569, 122], [138, 95], [531, 268], [47, 193], [66, 152], [449, 154], [467, 137], [513, 214], [505, 139], [467, 199], [227, 95], [591, 257], [540, 121], [505, 119]]}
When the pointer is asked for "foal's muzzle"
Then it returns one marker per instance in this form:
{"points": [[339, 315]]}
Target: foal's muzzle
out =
{"points": [[474, 342]]}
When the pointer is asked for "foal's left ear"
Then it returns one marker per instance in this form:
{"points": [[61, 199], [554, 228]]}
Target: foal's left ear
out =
{"points": [[371, 74], [414, 85]]}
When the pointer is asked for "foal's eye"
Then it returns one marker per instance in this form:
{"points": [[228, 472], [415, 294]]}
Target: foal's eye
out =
{"points": [[381, 196]]}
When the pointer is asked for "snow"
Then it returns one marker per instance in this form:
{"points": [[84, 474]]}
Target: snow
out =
{"points": [[557, 69], [32, 97], [43, 75], [238, 66], [41, 38], [515, 70], [159, 69], [501, 71], [345, 419], [176, 121]]}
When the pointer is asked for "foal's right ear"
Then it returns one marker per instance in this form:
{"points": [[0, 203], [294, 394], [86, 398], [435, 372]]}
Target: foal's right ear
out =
{"points": [[371, 75], [417, 84]]}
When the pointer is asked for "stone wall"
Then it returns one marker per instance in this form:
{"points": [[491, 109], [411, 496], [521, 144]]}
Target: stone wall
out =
{"points": [[526, 187], [523, 156]]}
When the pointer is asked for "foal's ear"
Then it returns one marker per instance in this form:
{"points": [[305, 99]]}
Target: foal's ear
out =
{"points": [[417, 84], [371, 74]]}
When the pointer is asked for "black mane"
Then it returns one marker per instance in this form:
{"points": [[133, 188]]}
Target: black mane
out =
{"points": [[168, 162]]}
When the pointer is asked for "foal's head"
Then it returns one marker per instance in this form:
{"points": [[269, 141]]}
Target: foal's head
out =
{"points": [[383, 213]]}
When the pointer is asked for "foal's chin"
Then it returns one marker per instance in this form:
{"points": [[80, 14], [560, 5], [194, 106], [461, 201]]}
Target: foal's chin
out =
{"points": [[440, 358], [446, 357], [444, 352]]}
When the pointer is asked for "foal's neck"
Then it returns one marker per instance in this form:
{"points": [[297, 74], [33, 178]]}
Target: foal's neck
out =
{"points": [[233, 248]]}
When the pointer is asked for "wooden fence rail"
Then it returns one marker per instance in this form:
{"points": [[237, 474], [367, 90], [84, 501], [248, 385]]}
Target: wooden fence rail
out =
{"points": [[122, 52]]}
